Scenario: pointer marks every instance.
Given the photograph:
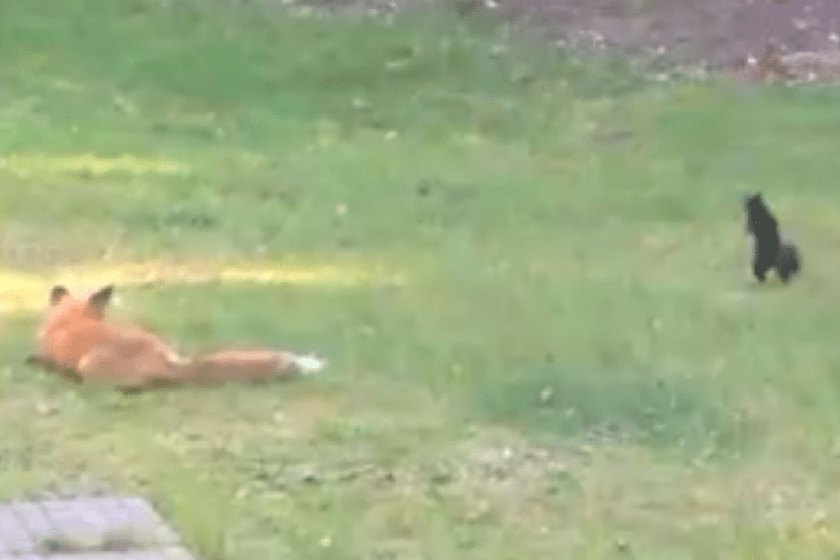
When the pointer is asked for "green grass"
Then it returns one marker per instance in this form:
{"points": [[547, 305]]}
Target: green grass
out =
{"points": [[573, 361]]}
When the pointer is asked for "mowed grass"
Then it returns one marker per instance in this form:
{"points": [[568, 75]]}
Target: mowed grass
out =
{"points": [[528, 273]]}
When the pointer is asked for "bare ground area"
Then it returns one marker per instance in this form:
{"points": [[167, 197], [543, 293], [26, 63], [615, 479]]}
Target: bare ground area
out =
{"points": [[706, 34], [719, 33]]}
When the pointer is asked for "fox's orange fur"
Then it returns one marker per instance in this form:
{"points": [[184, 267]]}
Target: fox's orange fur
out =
{"points": [[77, 340]]}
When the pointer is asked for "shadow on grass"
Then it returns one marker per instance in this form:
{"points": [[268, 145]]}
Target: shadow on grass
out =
{"points": [[681, 413]]}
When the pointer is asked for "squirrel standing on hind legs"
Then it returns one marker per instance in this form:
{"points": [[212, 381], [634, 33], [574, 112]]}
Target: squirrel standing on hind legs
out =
{"points": [[770, 250]]}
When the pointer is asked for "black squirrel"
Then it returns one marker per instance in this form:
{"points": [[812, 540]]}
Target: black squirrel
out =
{"points": [[770, 250]]}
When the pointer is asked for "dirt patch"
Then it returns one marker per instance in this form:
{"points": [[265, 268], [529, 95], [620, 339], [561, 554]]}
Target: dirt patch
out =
{"points": [[775, 65], [708, 34], [718, 33]]}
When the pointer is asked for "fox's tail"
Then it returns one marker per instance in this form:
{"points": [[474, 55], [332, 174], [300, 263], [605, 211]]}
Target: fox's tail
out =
{"points": [[308, 364], [246, 365]]}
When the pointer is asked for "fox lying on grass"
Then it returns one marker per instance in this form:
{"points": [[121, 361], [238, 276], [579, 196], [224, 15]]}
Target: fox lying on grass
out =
{"points": [[77, 341]]}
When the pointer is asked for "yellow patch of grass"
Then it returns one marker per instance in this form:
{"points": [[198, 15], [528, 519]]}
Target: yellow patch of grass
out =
{"points": [[20, 291], [30, 165]]}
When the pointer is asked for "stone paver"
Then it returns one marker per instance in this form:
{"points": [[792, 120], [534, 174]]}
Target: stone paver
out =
{"points": [[116, 528], [156, 554]]}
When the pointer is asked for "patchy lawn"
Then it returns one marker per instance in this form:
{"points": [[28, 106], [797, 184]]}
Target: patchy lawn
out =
{"points": [[528, 274]]}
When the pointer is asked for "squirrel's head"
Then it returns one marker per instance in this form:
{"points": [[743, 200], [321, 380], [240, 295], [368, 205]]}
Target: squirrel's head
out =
{"points": [[753, 201]]}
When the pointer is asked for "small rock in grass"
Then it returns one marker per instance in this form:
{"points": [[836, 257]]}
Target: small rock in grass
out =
{"points": [[309, 476], [546, 395]]}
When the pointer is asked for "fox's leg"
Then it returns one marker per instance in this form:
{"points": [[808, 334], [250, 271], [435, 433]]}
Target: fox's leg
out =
{"points": [[39, 360], [47, 364], [103, 365], [131, 375]]}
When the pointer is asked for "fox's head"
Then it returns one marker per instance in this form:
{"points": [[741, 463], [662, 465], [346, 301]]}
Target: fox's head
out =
{"points": [[64, 308]]}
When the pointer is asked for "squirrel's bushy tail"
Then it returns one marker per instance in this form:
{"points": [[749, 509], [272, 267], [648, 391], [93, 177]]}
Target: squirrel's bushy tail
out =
{"points": [[788, 260]]}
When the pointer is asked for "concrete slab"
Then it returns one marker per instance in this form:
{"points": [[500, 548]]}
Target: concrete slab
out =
{"points": [[102, 528]]}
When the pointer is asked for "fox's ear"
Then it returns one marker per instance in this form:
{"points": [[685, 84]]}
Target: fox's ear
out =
{"points": [[57, 294], [99, 300]]}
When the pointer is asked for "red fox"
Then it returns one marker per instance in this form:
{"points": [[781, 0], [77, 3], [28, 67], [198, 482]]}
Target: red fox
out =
{"points": [[77, 341]]}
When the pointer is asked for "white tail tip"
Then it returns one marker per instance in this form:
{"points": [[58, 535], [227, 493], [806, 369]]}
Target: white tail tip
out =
{"points": [[307, 365]]}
